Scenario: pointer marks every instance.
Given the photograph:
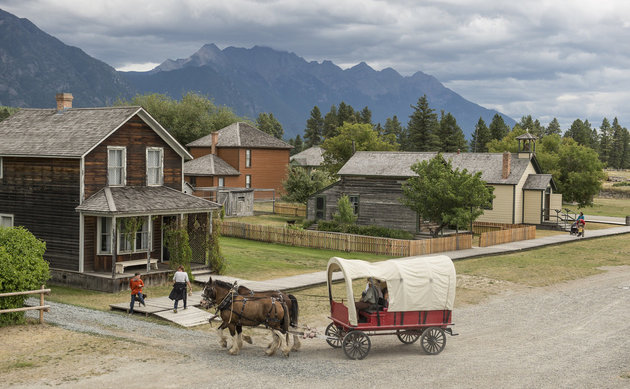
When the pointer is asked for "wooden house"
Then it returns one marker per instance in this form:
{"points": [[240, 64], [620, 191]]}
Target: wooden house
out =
{"points": [[373, 182], [76, 178], [260, 159]]}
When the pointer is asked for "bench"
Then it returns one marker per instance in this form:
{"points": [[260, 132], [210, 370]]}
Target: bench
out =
{"points": [[120, 266]]}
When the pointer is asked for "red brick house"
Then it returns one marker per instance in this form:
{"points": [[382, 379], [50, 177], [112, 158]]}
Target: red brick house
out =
{"points": [[73, 176]]}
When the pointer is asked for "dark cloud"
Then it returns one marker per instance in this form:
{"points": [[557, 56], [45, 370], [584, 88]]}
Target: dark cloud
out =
{"points": [[564, 59]]}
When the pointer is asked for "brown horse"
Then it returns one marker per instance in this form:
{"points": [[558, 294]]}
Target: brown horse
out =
{"points": [[289, 299], [237, 311]]}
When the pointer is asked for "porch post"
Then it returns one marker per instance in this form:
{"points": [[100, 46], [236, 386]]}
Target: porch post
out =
{"points": [[208, 236], [114, 246], [149, 242]]}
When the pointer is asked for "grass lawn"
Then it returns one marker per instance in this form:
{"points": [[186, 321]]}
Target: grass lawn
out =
{"points": [[607, 207]]}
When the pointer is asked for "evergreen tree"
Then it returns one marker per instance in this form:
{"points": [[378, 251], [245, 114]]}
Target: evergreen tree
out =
{"points": [[615, 156], [532, 126], [345, 113], [314, 128], [364, 116], [625, 155], [480, 137], [269, 124], [331, 122], [605, 134], [553, 128], [298, 145], [393, 127], [423, 127], [452, 137], [498, 128]]}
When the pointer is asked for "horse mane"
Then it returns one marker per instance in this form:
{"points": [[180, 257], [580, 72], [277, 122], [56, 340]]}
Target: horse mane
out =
{"points": [[223, 284]]}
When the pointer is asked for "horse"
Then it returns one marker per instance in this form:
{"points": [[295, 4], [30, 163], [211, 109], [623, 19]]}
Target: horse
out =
{"points": [[289, 299], [237, 311]]}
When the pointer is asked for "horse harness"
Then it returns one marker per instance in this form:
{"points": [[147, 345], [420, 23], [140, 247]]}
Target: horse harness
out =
{"points": [[229, 301]]}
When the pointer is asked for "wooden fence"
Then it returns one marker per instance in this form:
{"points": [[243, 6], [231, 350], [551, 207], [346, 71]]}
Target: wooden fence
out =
{"points": [[290, 210], [345, 242], [479, 227], [505, 236], [41, 307]]}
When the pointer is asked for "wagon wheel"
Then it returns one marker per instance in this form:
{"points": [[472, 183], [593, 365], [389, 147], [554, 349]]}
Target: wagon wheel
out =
{"points": [[433, 340], [356, 345], [408, 337], [332, 331]]}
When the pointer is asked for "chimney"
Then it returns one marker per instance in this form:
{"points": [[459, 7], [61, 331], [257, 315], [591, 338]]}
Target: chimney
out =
{"points": [[507, 159], [215, 140], [64, 101]]}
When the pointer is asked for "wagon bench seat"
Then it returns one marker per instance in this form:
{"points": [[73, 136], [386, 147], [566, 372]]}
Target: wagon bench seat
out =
{"points": [[120, 266]]}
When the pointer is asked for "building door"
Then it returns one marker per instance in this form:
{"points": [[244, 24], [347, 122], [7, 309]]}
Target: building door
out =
{"points": [[320, 207], [547, 203]]}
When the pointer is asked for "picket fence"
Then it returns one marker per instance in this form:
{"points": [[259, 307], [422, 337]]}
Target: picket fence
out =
{"points": [[520, 232], [345, 242]]}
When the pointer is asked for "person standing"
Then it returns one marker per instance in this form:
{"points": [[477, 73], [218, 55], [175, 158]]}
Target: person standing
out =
{"points": [[136, 285], [179, 288]]}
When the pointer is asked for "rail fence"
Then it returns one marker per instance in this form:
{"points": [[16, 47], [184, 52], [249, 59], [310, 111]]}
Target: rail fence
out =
{"points": [[41, 307], [520, 232], [345, 242]]}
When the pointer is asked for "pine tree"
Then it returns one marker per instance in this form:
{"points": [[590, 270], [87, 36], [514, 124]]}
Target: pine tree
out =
{"points": [[452, 137], [532, 126], [331, 123], [345, 113], [393, 127], [314, 128], [269, 124], [423, 127], [298, 145], [625, 155], [605, 133], [553, 128], [498, 128], [480, 137], [617, 148], [364, 116]]}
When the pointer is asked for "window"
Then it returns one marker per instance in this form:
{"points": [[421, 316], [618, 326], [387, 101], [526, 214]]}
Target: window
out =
{"points": [[104, 234], [248, 158], [6, 220], [116, 161], [155, 166], [248, 181], [193, 181], [354, 200], [221, 181], [142, 237]]}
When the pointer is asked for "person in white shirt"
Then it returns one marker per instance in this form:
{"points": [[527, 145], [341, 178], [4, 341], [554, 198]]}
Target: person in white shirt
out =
{"points": [[179, 288]]}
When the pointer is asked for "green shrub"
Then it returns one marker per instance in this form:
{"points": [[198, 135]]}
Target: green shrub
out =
{"points": [[627, 183], [22, 268], [345, 211], [383, 232], [178, 243], [217, 260], [307, 223]]}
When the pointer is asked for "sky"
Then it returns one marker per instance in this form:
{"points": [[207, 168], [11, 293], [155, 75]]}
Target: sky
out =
{"points": [[562, 59]]}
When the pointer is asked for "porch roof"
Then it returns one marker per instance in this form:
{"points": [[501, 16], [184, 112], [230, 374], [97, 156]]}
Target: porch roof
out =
{"points": [[538, 182], [143, 200]]}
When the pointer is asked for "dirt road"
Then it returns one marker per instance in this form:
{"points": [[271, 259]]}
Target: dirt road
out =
{"points": [[571, 335]]}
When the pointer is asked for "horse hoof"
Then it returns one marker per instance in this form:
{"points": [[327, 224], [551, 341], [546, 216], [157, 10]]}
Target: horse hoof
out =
{"points": [[223, 344], [270, 352], [295, 348], [248, 339], [232, 352]]}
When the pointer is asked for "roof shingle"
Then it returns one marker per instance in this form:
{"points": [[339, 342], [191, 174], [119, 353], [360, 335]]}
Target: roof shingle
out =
{"points": [[242, 135]]}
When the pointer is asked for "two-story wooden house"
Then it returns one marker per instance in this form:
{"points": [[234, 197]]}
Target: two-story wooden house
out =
{"points": [[76, 177]]}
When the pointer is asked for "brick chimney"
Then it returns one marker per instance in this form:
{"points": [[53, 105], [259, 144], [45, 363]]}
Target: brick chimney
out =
{"points": [[64, 101], [507, 160], [215, 140]]}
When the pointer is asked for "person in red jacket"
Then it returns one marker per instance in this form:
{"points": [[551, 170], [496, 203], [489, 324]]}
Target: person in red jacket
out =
{"points": [[136, 285]]}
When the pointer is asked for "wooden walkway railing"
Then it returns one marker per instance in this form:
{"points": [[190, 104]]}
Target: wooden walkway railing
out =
{"points": [[505, 236], [345, 242], [41, 307]]}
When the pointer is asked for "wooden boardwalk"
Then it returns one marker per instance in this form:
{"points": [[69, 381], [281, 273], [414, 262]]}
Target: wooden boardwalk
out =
{"points": [[163, 307]]}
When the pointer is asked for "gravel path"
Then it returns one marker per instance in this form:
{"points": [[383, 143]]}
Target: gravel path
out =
{"points": [[571, 335]]}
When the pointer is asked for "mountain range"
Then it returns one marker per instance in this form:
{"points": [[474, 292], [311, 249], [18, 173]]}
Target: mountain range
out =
{"points": [[34, 66]]}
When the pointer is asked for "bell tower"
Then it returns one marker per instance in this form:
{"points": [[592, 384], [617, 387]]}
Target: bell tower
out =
{"points": [[526, 145]]}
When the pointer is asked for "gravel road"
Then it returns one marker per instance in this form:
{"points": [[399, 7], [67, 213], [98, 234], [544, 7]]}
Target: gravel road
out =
{"points": [[571, 335]]}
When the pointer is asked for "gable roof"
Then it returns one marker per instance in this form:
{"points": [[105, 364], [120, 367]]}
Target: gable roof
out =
{"points": [[398, 164], [138, 200], [71, 133], [241, 134], [313, 156], [539, 182], [209, 165]]}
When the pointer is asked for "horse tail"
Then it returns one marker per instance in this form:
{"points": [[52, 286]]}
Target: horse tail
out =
{"points": [[294, 310], [285, 319]]}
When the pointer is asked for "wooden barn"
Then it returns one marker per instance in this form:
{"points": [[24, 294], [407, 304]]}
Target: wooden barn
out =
{"points": [[373, 182], [76, 177]]}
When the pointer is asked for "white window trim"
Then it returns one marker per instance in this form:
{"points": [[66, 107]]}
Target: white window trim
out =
{"points": [[1, 168], [161, 167], [248, 158], [248, 181], [99, 236], [221, 182], [124, 164], [12, 217], [136, 250]]}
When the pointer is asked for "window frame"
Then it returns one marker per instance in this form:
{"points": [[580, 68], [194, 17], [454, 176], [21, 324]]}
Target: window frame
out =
{"points": [[248, 181], [355, 205], [160, 167], [100, 233], [1, 169], [248, 158], [121, 239], [9, 216], [123, 173], [221, 182]]}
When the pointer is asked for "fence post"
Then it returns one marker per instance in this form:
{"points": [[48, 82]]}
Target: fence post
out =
{"points": [[41, 304]]}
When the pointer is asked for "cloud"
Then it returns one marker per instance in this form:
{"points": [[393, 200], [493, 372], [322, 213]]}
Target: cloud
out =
{"points": [[548, 58]]}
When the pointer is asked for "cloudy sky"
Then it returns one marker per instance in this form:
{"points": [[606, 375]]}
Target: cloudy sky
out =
{"points": [[556, 58]]}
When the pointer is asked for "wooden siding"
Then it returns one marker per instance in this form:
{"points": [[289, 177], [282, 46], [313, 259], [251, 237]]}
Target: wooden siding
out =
{"points": [[502, 206], [89, 244], [532, 206], [379, 202], [505, 236], [42, 194], [518, 201], [231, 156], [136, 136], [345, 242], [197, 152], [555, 203]]}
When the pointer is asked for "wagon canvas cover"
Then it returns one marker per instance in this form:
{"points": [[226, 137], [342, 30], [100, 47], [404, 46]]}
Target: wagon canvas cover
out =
{"points": [[413, 283]]}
